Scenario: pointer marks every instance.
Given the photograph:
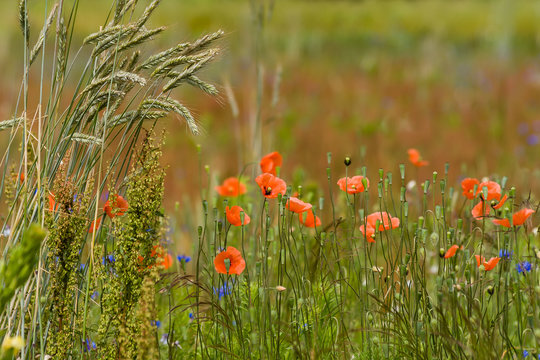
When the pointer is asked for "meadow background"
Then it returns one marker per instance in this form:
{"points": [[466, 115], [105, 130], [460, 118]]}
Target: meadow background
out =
{"points": [[457, 80]]}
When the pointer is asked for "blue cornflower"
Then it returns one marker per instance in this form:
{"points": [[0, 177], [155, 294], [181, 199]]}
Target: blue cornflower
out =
{"points": [[108, 258], [94, 295], [523, 267], [184, 257], [89, 345], [505, 254], [156, 323], [222, 291], [533, 139], [82, 267], [191, 316]]}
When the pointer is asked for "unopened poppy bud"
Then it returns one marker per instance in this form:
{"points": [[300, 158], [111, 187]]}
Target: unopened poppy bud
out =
{"points": [[490, 290], [347, 161], [456, 268], [441, 252], [207, 169], [407, 258], [434, 177], [457, 287], [280, 288]]}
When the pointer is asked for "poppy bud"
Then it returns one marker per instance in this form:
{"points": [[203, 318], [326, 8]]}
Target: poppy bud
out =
{"points": [[456, 268], [280, 288], [457, 287], [490, 290], [347, 161], [441, 252]]}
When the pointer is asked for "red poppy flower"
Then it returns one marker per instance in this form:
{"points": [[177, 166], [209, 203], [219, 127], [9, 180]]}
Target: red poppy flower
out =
{"points": [[477, 210], [386, 222], [163, 258], [309, 219], [451, 251], [271, 186], [370, 234], [94, 225], [468, 185], [270, 161], [233, 216], [489, 265], [236, 262], [415, 158], [353, 185], [53, 206], [297, 206], [231, 187], [518, 218], [115, 206]]}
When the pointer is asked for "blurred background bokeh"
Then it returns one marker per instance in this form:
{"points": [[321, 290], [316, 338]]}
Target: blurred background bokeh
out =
{"points": [[458, 80]]}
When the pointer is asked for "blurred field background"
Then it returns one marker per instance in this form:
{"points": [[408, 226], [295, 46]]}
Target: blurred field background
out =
{"points": [[458, 80]]}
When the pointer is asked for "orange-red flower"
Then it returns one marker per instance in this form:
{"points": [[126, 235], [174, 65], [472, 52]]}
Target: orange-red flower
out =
{"points": [[233, 216], [468, 185], [236, 262], [386, 222], [494, 192], [115, 206], [231, 187], [451, 251], [94, 225], [271, 185], [518, 218], [53, 206], [297, 206], [353, 185], [489, 265], [309, 219], [163, 258], [477, 210], [416, 159], [269, 162]]}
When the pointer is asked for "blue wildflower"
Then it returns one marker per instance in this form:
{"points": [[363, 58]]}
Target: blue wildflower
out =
{"points": [[505, 254], [156, 323], [82, 267], [185, 258], [222, 291], [94, 295], [191, 316], [533, 139], [108, 258], [525, 353], [89, 345], [523, 267]]}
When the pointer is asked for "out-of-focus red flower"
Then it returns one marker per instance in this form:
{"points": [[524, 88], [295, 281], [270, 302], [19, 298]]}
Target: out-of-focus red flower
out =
{"points": [[53, 206], [416, 159], [309, 219], [386, 222], [231, 187], [271, 185], [451, 251], [297, 206], [269, 162], [94, 225], [477, 210], [489, 265], [233, 216], [115, 206], [518, 218], [353, 185], [468, 185], [236, 262]]}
